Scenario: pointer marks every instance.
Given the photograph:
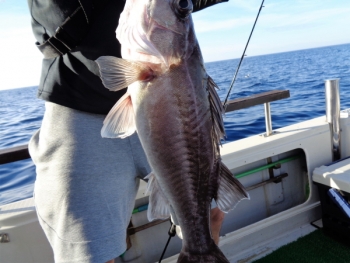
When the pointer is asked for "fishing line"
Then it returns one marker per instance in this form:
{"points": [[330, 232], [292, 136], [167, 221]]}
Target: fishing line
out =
{"points": [[171, 233], [240, 62]]}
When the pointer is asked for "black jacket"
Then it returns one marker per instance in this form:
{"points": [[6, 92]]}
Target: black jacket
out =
{"points": [[72, 80]]}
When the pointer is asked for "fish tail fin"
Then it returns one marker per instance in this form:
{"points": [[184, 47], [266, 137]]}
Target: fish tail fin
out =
{"points": [[230, 191], [117, 73], [214, 255]]}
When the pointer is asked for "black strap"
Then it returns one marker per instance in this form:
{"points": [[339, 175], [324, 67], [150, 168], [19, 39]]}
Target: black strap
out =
{"points": [[69, 34], [201, 4]]}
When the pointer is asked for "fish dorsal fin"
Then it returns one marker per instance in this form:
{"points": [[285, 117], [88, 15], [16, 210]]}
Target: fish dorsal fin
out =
{"points": [[217, 110], [117, 73], [120, 121], [158, 207], [230, 190]]}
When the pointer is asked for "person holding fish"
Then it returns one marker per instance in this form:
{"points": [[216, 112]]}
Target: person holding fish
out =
{"points": [[86, 185]]}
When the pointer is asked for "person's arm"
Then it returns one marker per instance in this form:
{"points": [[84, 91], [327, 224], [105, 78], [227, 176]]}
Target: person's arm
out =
{"points": [[201, 4]]}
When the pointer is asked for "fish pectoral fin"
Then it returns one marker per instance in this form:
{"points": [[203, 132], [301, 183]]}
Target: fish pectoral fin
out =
{"points": [[117, 73], [230, 190], [120, 121], [158, 207]]}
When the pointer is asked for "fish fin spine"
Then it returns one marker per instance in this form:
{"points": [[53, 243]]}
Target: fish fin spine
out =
{"points": [[158, 206], [230, 191], [117, 73], [217, 111]]}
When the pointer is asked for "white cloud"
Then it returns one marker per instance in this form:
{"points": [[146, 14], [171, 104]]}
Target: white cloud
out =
{"points": [[302, 19], [282, 26], [20, 60]]}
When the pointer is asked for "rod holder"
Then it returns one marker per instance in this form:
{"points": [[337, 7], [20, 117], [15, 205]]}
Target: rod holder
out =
{"points": [[268, 121], [333, 114]]}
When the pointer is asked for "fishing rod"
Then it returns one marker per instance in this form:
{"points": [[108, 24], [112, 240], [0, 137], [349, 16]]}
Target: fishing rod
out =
{"points": [[240, 62]]}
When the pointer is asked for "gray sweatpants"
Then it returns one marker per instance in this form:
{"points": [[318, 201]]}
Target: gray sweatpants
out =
{"points": [[85, 186]]}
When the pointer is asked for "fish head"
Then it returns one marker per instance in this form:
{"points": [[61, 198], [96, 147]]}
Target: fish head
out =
{"points": [[157, 31]]}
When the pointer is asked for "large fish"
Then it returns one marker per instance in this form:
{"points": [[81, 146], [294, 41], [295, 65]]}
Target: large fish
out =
{"points": [[172, 104]]}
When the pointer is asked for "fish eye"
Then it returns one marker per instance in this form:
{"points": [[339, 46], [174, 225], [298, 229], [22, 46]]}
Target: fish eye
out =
{"points": [[183, 3], [183, 8]]}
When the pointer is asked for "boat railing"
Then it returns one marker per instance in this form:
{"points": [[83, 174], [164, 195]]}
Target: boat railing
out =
{"points": [[14, 154], [333, 114], [19, 153]]}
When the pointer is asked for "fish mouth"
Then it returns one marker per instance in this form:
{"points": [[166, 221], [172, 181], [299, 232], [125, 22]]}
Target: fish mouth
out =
{"points": [[182, 8]]}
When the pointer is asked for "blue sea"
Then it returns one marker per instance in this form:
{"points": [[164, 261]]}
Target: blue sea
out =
{"points": [[301, 72]]}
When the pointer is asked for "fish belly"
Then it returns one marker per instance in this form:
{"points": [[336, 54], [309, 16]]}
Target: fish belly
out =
{"points": [[174, 124]]}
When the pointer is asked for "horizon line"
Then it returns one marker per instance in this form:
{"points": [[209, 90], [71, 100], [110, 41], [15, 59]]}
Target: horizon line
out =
{"points": [[267, 54]]}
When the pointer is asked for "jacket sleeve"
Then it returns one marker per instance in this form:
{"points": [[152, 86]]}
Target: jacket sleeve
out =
{"points": [[201, 4]]}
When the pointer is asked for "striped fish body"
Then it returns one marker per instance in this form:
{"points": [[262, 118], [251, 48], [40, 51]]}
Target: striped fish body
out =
{"points": [[175, 128], [172, 104]]}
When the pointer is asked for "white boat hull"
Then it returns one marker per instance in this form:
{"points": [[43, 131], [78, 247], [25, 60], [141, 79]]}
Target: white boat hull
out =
{"points": [[277, 214]]}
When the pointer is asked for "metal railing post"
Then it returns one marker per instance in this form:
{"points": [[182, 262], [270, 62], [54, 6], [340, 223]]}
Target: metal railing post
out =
{"points": [[268, 121], [333, 114]]}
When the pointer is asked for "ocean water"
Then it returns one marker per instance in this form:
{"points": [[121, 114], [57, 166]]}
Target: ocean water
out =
{"points": [[301, 72]]}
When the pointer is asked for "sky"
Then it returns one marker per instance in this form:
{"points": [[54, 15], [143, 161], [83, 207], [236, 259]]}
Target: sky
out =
{"points": [[222, 31]]}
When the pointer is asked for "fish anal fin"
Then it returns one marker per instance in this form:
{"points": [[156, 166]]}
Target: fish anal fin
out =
{"points": [[158, 207], [120, 121], [230, 190], [117, 73]]}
